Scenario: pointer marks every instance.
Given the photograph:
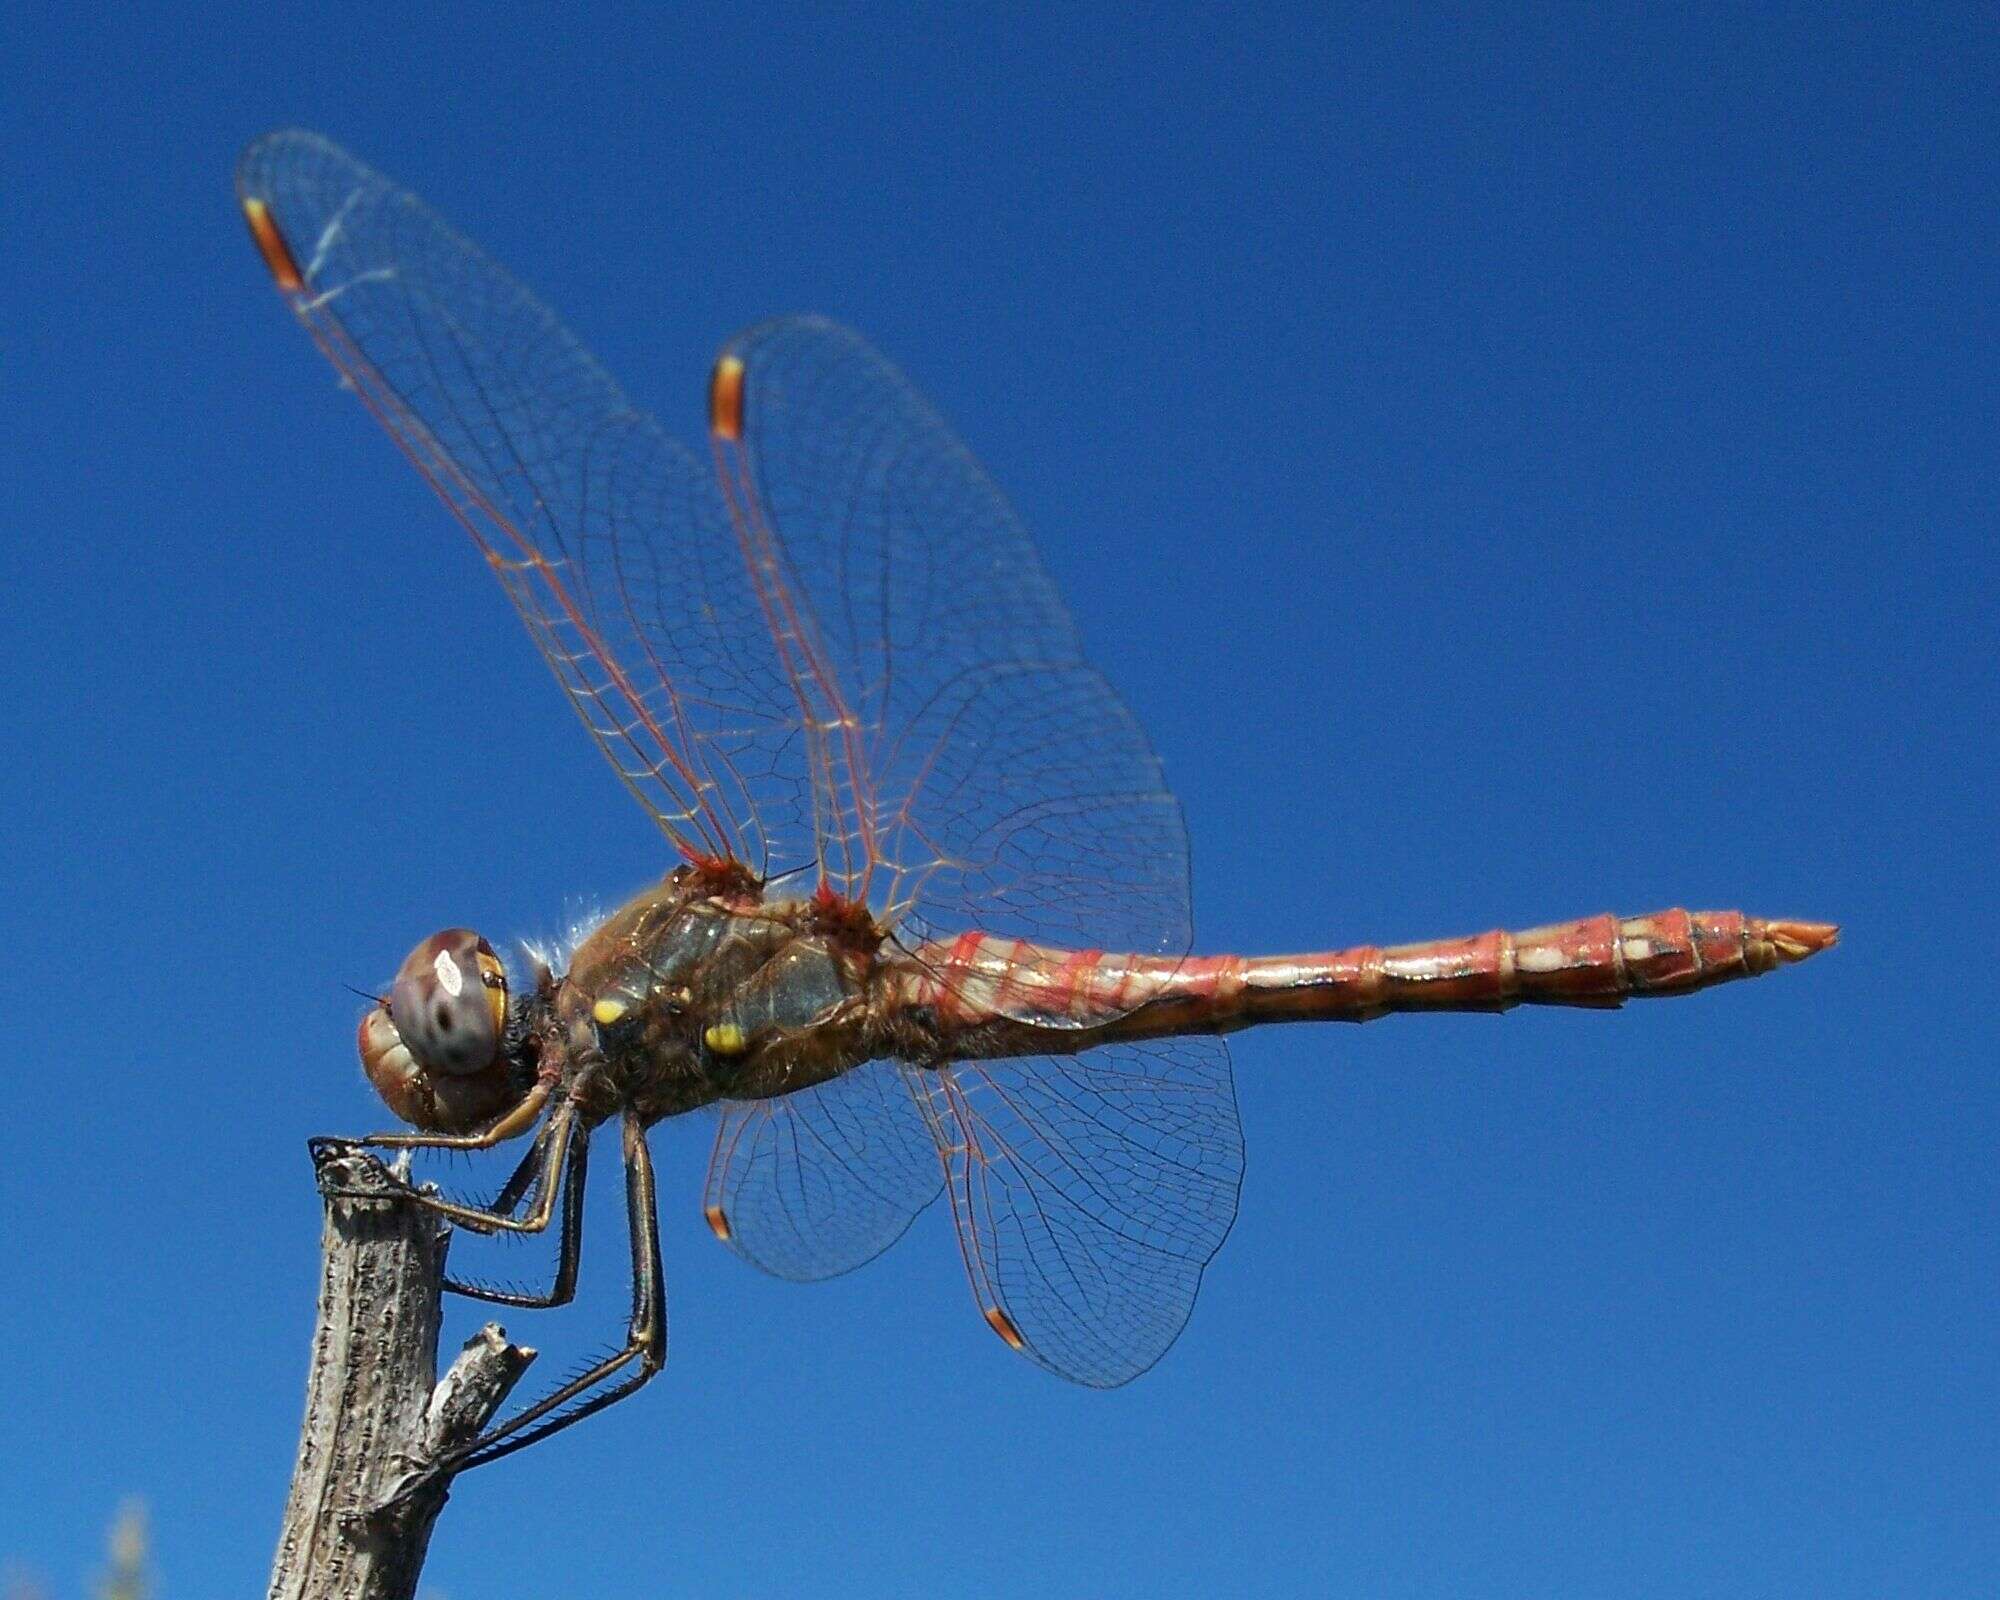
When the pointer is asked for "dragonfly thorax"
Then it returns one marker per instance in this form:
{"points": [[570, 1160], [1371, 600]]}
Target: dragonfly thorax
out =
{"points": [[687, 995]]}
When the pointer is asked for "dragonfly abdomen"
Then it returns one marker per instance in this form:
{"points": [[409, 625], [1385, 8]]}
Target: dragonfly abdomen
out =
{"points": [[1599, 962], [995, 997]]}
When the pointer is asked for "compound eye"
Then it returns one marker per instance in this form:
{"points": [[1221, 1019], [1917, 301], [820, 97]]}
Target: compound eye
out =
{"points": [[449, 1003]]}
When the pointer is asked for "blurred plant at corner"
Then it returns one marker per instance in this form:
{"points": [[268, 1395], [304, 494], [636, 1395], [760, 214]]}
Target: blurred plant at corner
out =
{"points": [[125, 1579]]}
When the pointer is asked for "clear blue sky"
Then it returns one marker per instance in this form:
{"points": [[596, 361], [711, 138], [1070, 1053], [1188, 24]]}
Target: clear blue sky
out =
{"points": [[1517, 466]]}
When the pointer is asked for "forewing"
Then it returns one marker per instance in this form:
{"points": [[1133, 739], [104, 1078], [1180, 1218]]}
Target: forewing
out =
{"points": [[845, 655], [1089, 1192], [611, 537], [813, 1184], [972, 771]]}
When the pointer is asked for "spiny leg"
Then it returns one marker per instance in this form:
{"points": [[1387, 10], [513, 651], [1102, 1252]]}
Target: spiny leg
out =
{"points": [[523, 1176], [559, 1134], [514, 1121], [502, 1128], [570, 1248], [511, 1191], [553, 1146], [645, 1340]]}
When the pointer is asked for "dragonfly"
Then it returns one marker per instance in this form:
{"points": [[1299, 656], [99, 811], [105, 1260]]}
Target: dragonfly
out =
{"points": [[926, 927]]}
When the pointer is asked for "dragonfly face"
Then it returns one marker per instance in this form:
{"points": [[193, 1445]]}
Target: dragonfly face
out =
{"points": [[433, 1050]]}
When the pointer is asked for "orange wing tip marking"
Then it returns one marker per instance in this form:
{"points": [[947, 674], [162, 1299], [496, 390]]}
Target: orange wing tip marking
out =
{"points": [[271, 245], [718, 1223], [1797, 940], [725, 399], [1003, 1325]]}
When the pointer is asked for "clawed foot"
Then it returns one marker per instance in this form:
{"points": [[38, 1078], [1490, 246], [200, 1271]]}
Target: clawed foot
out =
{"points": [[327, 1147], [424, 1479], [384, 1182]]}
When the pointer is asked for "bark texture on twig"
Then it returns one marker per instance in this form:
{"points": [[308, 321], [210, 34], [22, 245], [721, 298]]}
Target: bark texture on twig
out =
{"points": [[376, 1413]]}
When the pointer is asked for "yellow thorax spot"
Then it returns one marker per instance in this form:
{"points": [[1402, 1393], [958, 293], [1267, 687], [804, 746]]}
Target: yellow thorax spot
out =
{"points": [[725, 1039], [608, 1011]]}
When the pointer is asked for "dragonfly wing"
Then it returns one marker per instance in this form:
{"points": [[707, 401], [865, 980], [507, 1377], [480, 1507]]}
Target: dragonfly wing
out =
{"points": [[814, 1184], [610, 537], [843, 653], [976, 772], [1089, 1192]]}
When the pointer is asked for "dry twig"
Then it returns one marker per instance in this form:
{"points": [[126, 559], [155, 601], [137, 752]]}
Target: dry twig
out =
{"points": [[363, 1499]]}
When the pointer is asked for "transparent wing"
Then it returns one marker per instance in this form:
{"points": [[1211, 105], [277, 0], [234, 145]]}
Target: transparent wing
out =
{"points": [[1089, 1192], [814, 1184], [610, 537], [838, 650], [973, 771], [832, 646]]}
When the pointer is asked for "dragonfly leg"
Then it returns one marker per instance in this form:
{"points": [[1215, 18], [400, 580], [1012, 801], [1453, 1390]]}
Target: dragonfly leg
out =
{"points": [[645, 1340], [503, 1127], [546, 1159], [512, 1191], [570, 1248]]}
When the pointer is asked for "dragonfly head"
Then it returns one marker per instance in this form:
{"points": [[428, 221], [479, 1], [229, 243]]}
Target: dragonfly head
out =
{"points": [[433, 1050]]}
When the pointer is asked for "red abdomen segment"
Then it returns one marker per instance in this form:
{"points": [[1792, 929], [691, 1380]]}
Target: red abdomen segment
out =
{"points": [[977, 981]]}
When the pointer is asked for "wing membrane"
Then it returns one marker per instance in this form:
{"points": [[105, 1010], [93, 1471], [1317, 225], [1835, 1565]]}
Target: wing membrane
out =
{"points": [[814, 1184], [843, 653], [610, 537], [1089, 1192], [976, 772]]}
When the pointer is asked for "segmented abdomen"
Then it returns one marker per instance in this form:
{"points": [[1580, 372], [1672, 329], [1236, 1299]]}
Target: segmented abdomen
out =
{"points": [[980, 991]]}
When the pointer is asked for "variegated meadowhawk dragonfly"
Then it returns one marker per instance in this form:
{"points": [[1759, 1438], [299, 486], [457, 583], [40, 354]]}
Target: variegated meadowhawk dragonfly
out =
{"points": [[927, 931]]}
